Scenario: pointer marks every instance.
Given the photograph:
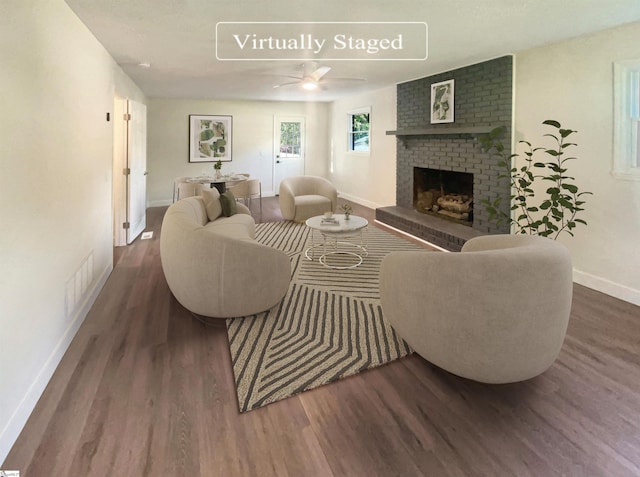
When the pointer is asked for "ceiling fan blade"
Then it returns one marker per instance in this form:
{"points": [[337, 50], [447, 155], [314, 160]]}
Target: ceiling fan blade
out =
{"points": [[335, 80], [286, 84], [299, 78], [319, 73]]}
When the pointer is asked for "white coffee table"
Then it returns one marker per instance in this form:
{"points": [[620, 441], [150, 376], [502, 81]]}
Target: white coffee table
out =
{"points": [[345, 237]]}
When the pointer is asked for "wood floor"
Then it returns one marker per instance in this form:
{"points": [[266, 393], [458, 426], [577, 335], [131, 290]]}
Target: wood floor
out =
{"points": [[146, 390]]}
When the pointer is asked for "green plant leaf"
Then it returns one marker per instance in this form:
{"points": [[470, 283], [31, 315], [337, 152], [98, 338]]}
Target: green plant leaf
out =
{"points": [[566, 203], [497, 132], [570, 187], [566, 132], [551, 122]]}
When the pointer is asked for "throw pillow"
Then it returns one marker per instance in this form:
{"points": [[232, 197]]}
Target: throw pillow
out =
{"points": [[211, 198], [228, 203]]}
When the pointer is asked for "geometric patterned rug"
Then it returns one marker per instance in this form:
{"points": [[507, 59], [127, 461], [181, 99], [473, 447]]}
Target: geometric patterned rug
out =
{"points": [[328, 326]]}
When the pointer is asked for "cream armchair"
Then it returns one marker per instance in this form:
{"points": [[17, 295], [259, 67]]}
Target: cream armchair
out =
{"points": [[212, 263], [302, 197], [496, 312]]}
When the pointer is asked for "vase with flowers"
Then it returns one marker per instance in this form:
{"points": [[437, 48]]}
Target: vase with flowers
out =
{"points": [[217, 169], [346, 209]]}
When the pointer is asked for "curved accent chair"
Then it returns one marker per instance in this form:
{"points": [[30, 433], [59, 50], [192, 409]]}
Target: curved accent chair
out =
{"points": [[302, 197], [212, 263], [496, 312]]}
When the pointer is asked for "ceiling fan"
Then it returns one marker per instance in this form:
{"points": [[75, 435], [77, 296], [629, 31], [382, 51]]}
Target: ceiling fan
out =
{"points": [[313, 77]]}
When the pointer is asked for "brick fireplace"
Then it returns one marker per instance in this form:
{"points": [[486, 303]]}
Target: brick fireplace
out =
{"points": [[448, 156]]}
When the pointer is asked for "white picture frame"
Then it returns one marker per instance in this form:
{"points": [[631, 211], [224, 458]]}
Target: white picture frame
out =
{"points": [[210, 138], [442, 102]]}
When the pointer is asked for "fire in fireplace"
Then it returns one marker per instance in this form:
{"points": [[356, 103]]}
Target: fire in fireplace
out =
{"points": [[445, 194]]}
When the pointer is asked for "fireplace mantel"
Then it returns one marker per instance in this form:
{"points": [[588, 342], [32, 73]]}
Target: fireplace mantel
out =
{"points": [[440, 131]]}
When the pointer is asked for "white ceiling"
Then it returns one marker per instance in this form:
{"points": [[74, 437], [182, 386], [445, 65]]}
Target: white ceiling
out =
{"points": [[177, 37]]}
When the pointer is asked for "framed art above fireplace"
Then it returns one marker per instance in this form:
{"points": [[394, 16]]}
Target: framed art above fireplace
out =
{"points": [[442, 102]]}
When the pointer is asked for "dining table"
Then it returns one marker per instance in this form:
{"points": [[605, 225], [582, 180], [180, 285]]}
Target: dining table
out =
{"points": [[219, 182]]}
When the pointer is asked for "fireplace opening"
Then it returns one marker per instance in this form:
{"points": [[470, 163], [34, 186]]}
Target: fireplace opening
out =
{"points": [[444, 194]]}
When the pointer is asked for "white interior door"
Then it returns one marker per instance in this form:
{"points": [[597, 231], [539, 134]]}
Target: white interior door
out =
{"points": [[136, 169], [289, 151], [120, 125]]}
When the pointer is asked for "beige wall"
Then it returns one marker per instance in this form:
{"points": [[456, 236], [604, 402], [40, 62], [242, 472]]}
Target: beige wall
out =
{"points": [[58, 83], [572, 83], [367, 179], [253, 140]]}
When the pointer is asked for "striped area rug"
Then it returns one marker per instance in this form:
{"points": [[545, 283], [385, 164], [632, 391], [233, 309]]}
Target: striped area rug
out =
{"points": [[328, 326]]}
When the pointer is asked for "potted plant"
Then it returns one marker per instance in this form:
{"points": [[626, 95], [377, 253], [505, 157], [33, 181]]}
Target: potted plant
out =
{"points": [[217, 166], [346, 209], [549, 215]]}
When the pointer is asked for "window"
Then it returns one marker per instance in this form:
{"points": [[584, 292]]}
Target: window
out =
{"points": [[359, 122], [290, 139], [626, 130]]}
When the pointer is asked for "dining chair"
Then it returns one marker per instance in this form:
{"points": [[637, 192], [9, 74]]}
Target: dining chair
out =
{"points": [[176, 182], [247, 190], [182, 188]]}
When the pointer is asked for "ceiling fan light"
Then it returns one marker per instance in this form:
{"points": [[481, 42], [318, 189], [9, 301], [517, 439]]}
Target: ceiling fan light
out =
{"points": [[309, 85]]}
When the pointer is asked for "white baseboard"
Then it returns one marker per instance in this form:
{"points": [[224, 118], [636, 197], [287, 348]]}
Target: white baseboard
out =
{"points": [[159, 203], [14, 426], [603, 285], [359, 200]]}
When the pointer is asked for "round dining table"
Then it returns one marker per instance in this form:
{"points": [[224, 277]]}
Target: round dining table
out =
{"points": [[219, 183]]}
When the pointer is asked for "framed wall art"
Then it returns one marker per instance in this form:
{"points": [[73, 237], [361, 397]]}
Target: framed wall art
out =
{"points": [[442, 102], [210, 138]]}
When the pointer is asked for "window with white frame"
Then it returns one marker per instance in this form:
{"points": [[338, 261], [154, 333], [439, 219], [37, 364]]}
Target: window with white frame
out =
{"points": [[358, 130], [626, 130]]}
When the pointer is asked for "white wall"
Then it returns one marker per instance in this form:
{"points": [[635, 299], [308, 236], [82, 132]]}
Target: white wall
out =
{"points": [[253, 140], [366, 179], [57, 85], [572, 83]]}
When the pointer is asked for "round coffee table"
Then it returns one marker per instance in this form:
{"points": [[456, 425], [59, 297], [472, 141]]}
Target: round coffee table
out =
{"points": [[341, 236]]}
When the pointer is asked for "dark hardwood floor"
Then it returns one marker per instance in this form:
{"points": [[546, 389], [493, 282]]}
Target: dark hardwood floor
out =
{"points": [[145, 390]]}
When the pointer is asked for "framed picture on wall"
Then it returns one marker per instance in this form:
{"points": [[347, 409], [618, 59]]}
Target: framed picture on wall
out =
{"points": [[442, 102], [210, 138]]}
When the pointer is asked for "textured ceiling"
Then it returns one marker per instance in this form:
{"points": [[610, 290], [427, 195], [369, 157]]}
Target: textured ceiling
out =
{"points": [[178, 39]]}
